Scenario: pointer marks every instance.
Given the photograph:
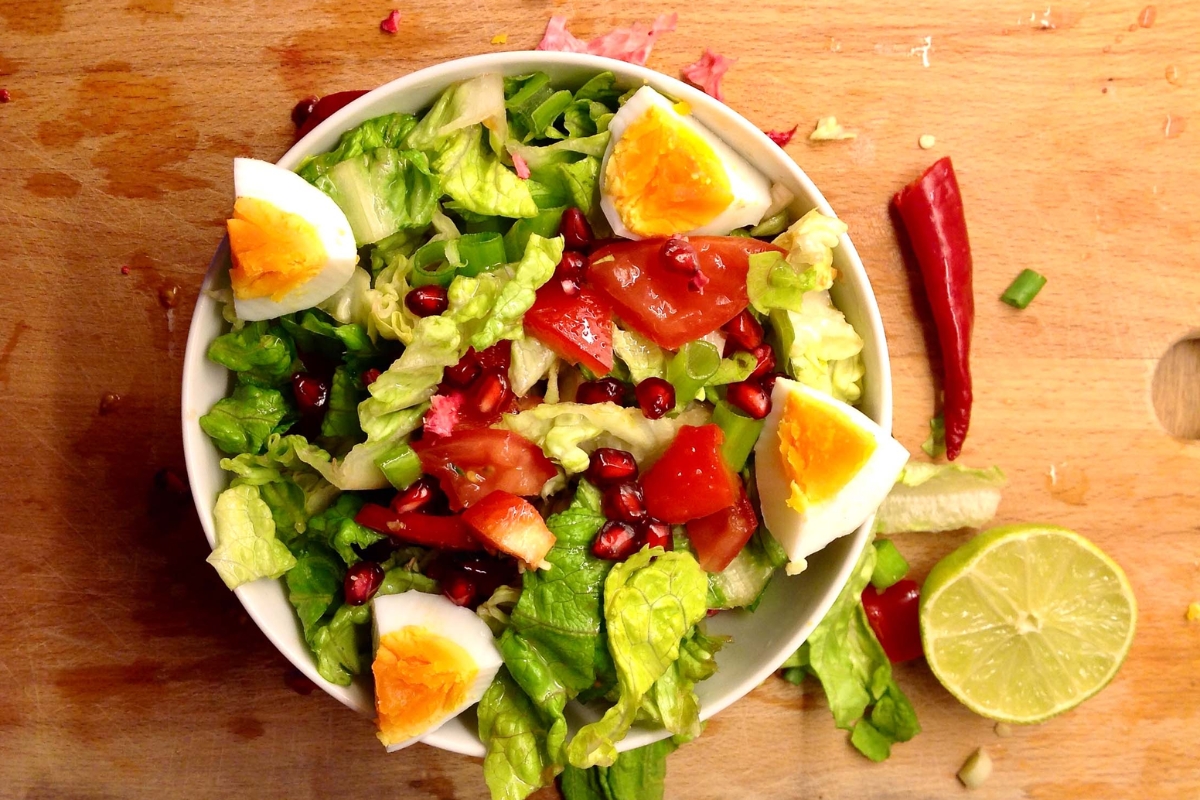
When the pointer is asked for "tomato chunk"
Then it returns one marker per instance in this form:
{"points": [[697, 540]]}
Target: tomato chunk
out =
{"points": [[719, 537], [691, 480], [577, 327], [470, 464], [511, 525], [893, 614], [427, 530], [657, 302]]}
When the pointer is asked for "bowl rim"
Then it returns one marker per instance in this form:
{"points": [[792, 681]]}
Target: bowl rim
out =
{"points": [[322, 137]]}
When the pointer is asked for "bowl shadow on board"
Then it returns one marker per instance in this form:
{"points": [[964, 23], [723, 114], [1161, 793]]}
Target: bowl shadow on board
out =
{"points": [[790, 607]]}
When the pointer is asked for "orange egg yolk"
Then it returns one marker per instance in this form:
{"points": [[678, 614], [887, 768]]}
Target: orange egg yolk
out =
{"points": [[420, 678], [273, 250], [663, 178], [822, 450]]}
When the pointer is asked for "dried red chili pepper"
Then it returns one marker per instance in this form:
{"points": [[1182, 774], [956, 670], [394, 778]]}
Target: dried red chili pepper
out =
{"points": [[932, 211]]}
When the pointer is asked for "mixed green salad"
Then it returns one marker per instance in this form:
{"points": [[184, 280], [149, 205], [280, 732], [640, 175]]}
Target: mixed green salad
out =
{"points": [[451, 378]]}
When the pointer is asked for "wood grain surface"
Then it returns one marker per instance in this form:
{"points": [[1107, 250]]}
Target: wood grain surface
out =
{"points": [[129, 671]]}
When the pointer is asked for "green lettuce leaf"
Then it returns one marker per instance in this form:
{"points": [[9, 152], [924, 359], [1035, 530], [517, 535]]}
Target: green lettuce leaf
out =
{"points": [[242, 422], [638, 774], [496, 611], [651, 602], [387, 316], [563, 429], [341, 410], [844, 655], [246, 545], [511, 728], [823, 350], [777, 281], [314, 584], [411, 379], [643, 357], [743, 581], [293, 490], [465, 105], [672, 700], [260, 353], [554, 640], [940, 497], [384, 190], [342, 645], [348, 305], [335, 528], [516, 296], [389, 130], [531, 360], [478, 181]]}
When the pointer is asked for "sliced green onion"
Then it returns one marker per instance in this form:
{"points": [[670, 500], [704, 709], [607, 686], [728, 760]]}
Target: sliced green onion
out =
{"points": [[1020, 292], [690, 370], [401, 466], [771, 226], [518, 91], [431, 265], [741, 434], [480, 252], [741, 233], [545, 224], [890, 566]]}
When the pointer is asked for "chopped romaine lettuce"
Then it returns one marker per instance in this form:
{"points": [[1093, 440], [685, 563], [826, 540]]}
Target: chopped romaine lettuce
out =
{"points": [[383, 191], [246, 545], [672, 701], [531, 360], [823, 350], [259, 352], [637, 774], [516, 295], [242, 422], [643, 357], [512, 730], [940, 497], [389, 130]]}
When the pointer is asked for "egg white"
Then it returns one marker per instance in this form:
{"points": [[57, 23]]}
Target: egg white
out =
{"points": [[802, 534], [288, 192], [460, 625], [750, 188]]}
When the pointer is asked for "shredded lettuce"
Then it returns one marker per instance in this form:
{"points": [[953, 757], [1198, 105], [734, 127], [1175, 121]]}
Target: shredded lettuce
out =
{"points": [[388, 317], [246, 545], [643, 357], [671, 701], [940, 497], [383, 191], [389, 130], [477, 180], [516, 764], [242, 422], [651, 603], [823, 350], [531, 361], [516, 295], [261, 353], [638, 774]]}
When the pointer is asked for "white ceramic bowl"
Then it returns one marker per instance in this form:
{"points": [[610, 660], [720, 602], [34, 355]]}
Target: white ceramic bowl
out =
{"points": [[791, 607]]}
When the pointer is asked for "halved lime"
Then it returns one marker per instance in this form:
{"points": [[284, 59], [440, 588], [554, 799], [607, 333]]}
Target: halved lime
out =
{"points": [[1026, 621]]}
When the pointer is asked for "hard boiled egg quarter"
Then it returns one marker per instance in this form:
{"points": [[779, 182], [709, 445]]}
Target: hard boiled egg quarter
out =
{"points": [[664, 173], [291, 245], [433, 660], [822, 468]]}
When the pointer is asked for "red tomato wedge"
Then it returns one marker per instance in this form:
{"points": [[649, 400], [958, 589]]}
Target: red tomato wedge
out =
{"points": [[444, 533], [511, 525], [577, 327], [470, 464], [691, 479], [719, 537], [657, 303], [893, 614]]}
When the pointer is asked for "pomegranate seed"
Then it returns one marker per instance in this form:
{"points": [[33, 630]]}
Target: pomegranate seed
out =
{"points": [[750, 398], [370, 376], [768, 381], [168, 480], [381, 550], [302, 110], [5, 95], [575, 230], [697, 282], [459, 588], [712, 612], [391, 23], [489, 394], [680, 256], [608, 466], [605, 390], [497, 357], [657, 533], [655, 397], [744, 331], [571, 267], [464, 373], [766, 360], [311, 393], [427, 301], [362, 582], [417, 496], [616, 541], [624, 502]]}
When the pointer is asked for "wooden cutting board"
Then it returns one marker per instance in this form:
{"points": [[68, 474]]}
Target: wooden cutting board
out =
{"points": [[129, 671]]}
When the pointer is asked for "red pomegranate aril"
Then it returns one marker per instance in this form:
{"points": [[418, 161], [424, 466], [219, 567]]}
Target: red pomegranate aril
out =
{"points": [[655, 397], [624, 502], [370, 376], [462, 374], [576, 230], [489, 394], [697, 282], [417, 496], [427, 301], [766, 360], [657, 533], [749, 397], [768, 381], [311, 393], [605, 390], [571, 267], [303, 109], [459, 588], [362, 582], [744, 331], [609, 466], [680, 256], [616, 541]]}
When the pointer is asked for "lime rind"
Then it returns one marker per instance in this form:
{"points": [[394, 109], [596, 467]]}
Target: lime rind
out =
{"points": [[1025, 622]]}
